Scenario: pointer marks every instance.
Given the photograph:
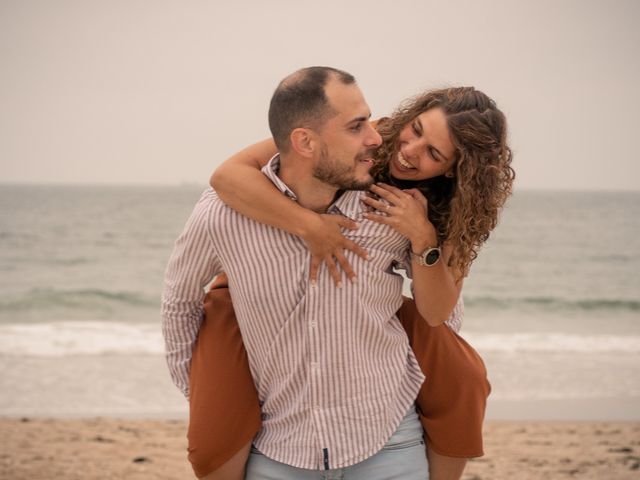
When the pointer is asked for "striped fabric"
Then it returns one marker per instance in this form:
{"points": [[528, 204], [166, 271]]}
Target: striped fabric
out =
{"points": [[332, 366]]}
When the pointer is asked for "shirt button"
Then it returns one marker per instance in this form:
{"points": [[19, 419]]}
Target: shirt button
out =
{"points": [[312, 324]]}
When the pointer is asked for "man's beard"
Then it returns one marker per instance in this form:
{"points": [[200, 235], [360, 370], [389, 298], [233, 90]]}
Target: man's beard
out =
{"points": [[337, 175]]}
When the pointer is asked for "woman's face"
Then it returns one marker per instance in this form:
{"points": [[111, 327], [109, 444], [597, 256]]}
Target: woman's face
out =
{"points": [[425, 149]]}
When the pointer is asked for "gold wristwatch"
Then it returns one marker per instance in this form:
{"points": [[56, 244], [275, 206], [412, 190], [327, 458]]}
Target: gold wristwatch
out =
{"points": [[429, 257]]}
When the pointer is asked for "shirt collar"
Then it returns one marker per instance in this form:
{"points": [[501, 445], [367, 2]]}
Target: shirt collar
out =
{"points": [[271, 170], [347, 203]]}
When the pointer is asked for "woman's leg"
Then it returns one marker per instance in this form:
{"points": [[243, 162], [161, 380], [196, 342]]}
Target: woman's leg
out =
{"points": [[232, 469], [442, 467], [223, 402], [225, 414], [452, 400]]}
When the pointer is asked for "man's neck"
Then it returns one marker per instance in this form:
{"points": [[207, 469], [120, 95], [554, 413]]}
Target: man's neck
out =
{"points": [[310, 192]]}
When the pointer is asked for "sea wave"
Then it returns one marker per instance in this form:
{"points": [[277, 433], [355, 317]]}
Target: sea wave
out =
{"points": [[98, 338], [90, 299], [39, 299], [554, 303]]}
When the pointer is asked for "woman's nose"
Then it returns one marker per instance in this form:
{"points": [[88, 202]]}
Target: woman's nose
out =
{"points": [[410, 149]]}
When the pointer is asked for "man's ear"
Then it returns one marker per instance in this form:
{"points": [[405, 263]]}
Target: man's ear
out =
{"points": [[303, 142]]}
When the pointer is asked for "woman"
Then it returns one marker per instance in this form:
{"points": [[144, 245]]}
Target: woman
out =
{"points": [[446, 170]]}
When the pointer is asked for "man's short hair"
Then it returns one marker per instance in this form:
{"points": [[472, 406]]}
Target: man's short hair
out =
{"points": [[300, 102]]}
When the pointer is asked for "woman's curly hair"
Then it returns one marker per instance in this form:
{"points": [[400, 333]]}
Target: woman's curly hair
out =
{"points": [[463, 209]]}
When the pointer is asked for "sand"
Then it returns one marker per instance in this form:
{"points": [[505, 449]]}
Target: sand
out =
{"points": [[558, 450], [156, 449]]}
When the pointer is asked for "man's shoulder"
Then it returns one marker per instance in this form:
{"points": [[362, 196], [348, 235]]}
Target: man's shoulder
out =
{"points": [[210, 199], [209, 206], [217, 212]]}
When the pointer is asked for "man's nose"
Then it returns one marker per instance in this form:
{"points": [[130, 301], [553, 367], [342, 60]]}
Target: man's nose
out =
{"points": [[373, 139]]}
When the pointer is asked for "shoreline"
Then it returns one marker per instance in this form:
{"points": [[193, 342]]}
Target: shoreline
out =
{"points": [[597, 409], [106, 386], [601, 410], [99, 448]]}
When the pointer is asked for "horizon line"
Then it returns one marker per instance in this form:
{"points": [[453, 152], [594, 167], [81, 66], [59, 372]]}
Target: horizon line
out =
{"points": [[203, 184]]}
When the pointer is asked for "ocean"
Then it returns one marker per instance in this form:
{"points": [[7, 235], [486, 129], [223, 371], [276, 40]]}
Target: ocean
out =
{"points": [[552, 303]]}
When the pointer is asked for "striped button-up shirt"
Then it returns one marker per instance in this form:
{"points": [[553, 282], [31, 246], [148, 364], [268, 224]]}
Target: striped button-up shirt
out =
{"points": [[332, 366]]}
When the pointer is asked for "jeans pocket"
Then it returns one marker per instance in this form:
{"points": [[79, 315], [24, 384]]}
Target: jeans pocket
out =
{"points": [[406, 444], [255, 451]]}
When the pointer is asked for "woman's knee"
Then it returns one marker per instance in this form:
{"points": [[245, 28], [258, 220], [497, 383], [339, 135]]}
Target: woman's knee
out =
{"points": [[206, 464]]}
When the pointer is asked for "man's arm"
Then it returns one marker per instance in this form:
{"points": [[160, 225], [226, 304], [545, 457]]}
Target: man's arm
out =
{"points": [[191, 267]]}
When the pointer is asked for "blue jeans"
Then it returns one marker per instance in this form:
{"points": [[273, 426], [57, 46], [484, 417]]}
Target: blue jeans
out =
{"points": [[402, 458]]}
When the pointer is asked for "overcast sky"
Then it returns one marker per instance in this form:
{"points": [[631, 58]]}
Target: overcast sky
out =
{"points": [[159, 92]]}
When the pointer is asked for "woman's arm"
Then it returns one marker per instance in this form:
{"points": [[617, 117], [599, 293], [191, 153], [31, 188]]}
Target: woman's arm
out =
{"points": [[241, 185], [435, 288], [247, 160]]}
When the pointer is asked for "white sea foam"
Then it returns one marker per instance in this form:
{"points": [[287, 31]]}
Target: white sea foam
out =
{"points": [[553, 342], [80, 338], [97, 338]]}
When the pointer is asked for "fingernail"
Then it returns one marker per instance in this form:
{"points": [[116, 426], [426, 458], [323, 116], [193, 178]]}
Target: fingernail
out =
{"points": [[354, 279], [313, 283], [339, 285], [356, 226]]}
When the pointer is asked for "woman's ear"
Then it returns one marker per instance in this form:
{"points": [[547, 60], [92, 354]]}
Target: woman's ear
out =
{"points": [[303, 142]]}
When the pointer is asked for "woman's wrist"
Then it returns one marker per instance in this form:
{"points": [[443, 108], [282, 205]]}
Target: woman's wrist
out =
{"points": [[424, 238], [308, 224]]}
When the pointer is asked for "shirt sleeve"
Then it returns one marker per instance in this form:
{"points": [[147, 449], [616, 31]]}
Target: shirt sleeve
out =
{"points": [[454, 322], [192, 265]]}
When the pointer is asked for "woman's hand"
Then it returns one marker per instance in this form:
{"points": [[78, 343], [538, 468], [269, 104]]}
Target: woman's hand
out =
{"points": [[405, 211], [327, 244]]}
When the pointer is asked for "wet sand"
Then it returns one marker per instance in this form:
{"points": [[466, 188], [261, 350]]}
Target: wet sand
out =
{"points": [[91, 449]]}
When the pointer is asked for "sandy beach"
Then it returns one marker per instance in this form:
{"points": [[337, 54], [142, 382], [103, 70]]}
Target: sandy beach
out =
{"points": [[99, 448]]}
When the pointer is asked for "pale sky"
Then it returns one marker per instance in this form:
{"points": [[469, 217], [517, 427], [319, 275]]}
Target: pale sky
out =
{"points": [[160, 92]]}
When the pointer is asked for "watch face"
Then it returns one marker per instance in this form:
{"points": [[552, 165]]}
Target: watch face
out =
{"points": [[432, 256]]}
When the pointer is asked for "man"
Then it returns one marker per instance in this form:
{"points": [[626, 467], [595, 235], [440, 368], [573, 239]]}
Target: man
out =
{"points": [[333, 367]]}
